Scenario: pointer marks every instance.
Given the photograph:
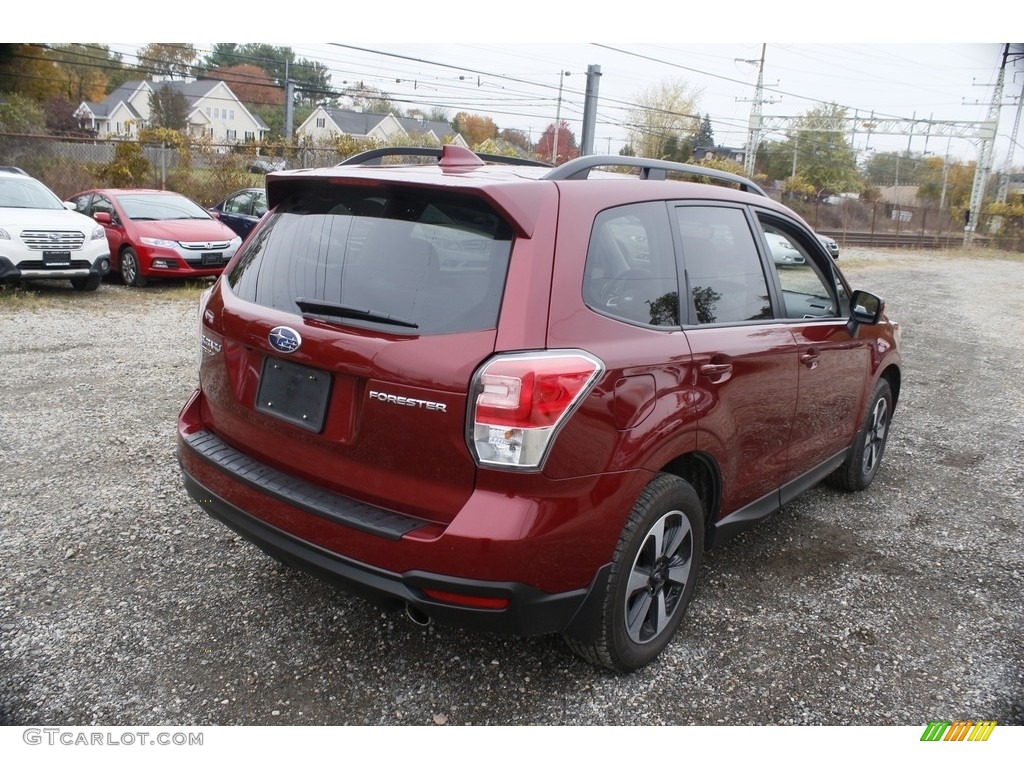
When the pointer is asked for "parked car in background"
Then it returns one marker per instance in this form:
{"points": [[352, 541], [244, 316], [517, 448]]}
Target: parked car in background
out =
{"points": [[158, 234], [830, 245], [266, 165], [527, 399], [784, 253], [241, 210], [41, 238]]}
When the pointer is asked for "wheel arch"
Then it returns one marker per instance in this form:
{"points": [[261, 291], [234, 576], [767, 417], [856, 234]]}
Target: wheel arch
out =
{"points": [[894, 376], [702, 473]]}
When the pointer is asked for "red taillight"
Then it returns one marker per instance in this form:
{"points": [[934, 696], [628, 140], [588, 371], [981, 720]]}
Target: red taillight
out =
{"points": [[520, 400]]}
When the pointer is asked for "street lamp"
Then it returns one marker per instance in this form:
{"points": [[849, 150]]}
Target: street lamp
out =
{"points": [[558, 118]]}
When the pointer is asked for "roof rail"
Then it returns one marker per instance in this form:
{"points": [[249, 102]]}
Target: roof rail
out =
{"points": [[581, 167], [450, 154]]}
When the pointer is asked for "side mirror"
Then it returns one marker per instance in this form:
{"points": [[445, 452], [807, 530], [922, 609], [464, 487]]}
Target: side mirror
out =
{"points": [[866, 308], [102, 217]]}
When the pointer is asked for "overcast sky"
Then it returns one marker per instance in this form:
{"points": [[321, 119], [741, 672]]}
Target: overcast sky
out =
{"points": [[505, 61], [517, 84]]}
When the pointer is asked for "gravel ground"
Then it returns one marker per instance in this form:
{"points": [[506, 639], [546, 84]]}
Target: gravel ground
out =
{"points": [[122, 603]]}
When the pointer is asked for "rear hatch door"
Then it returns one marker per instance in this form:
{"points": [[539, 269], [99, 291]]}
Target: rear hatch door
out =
{"points": [[351, 325]]}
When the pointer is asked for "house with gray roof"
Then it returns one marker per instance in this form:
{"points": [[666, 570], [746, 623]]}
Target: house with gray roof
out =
{"points": [[213, 111], [327, 122]]}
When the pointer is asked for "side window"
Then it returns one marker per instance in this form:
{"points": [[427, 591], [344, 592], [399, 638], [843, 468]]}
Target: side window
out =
{"points": [[725, 282], [240, 203], [82, 204], [806, 292], [631, 267], [102, 204]]}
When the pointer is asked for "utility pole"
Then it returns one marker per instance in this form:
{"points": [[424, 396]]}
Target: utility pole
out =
{"points": [[988, 142], [590, 110], [796, 145], [558, 117], [289, 104], [1004, 181], [945, 175], [754, 129]]}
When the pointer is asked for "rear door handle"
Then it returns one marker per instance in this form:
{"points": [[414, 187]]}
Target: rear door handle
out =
{"points": [[810, 359], [720, 369]]}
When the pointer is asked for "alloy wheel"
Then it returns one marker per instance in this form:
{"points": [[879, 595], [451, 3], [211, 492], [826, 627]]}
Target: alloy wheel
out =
{"points": [[658, 577], [875, 438]]}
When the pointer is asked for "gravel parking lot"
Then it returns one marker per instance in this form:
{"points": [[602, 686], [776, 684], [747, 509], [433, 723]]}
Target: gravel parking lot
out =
{"points": [[122, 603]]}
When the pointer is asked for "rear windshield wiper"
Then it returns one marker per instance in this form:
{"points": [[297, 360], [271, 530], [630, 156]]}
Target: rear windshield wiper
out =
{"points": [[316, 307]]}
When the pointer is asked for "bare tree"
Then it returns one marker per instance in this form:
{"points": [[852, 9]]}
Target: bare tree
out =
{"points": [[665, 114], [175, 60]]}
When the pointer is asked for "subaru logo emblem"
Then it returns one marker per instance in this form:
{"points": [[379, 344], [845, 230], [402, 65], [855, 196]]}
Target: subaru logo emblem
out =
{"points": [[284, 339]]}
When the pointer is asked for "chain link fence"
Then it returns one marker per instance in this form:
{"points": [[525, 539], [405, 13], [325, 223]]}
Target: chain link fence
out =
{"points": [[858, 222], [203, 171], [209, 172]]}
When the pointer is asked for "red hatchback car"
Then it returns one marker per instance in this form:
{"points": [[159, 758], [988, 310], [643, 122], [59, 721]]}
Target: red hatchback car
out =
{"points": [[158, 234], [527, 399]]}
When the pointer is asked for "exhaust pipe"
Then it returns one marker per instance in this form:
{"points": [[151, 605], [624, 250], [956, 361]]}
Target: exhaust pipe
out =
{"points": [[416, 616]]}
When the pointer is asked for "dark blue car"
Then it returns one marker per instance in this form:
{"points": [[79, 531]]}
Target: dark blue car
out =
{"points": [[241, 210]]}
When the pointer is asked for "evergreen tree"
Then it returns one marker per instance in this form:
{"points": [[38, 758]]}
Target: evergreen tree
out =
{"points": [[705, 136], [168, 108]]}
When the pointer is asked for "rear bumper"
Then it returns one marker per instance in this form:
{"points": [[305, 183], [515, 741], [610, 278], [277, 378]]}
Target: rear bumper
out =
{"points": [[529, 612], [471, 573]]}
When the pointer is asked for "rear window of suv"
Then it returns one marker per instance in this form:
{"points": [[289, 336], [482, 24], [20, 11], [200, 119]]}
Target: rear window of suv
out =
{"points": [[412, 260]]}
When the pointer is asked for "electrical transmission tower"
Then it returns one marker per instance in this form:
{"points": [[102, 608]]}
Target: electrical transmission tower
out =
{"points": [[985, 152], [983, 132], [754, 131]]}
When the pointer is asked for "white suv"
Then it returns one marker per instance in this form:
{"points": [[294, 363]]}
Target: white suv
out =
{"points": [[41, 238]]}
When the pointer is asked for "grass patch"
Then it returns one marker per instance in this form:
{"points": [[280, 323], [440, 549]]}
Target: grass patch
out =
{"points": [[17, 296], [979, 254], [176, 289], [865, 257], [48, 294]]}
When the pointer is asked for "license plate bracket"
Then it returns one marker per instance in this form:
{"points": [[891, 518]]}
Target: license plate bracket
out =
{"points": [[294, 393], [57, 258], [212, 259]]}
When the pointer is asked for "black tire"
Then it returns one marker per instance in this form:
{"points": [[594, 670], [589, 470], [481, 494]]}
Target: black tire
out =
{"points": [[131, 274], [861, 466], [88, 283], [653, 575]]}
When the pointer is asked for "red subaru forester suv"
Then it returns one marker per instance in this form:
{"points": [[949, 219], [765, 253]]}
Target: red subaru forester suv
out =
{"points": [[526, 399]]}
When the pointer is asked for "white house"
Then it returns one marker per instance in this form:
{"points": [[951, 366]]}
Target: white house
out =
{"points": [[326, 122], [722, 153], [213, 111]]}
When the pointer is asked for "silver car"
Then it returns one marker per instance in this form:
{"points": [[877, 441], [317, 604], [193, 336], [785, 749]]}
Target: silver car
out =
{"points": [[830, 245]]}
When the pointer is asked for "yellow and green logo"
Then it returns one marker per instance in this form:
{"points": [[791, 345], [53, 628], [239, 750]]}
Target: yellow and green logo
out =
{"points": [[959, 730]]}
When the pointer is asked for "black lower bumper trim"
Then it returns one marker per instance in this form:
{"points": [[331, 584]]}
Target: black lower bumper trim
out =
{"points": [[529, 612], [299, 493]]}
